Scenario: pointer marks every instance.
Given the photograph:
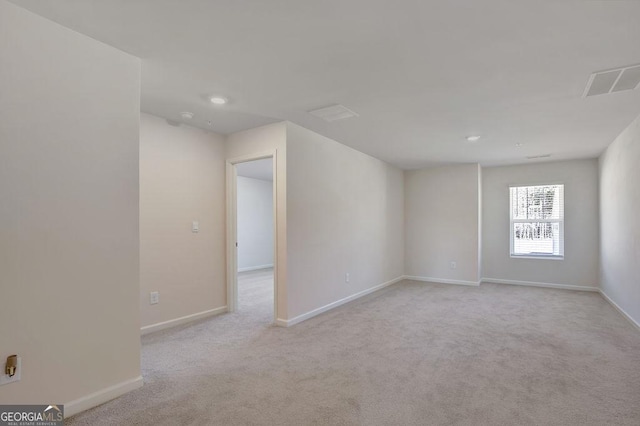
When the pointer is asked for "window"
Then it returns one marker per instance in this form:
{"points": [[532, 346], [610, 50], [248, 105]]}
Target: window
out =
{"points": [[537, 221]]}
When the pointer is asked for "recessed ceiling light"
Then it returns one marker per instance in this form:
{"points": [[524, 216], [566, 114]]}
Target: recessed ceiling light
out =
{"points": [[219, 100], [473, 138], [186, 115], [518, 145]]}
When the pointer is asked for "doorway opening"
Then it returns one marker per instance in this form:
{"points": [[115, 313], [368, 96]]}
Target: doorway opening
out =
{"points": [[252, 242]]}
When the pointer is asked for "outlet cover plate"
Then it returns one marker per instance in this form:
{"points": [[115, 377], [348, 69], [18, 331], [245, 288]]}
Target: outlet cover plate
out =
{"points": [[5, 379]]}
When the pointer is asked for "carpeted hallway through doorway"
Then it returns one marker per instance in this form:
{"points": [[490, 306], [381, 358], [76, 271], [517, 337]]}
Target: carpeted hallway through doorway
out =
{"points": [[410, 354]]}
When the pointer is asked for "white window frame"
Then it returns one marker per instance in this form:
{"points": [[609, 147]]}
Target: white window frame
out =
{"points": [[560, 221]]}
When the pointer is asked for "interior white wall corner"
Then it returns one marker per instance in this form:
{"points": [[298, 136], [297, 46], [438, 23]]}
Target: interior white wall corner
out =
{"points": [[182, 179], [345, 216], [69, 251], [619, 224]]}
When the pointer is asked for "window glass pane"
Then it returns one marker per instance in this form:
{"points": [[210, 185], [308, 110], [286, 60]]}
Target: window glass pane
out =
{"points": [[536, 238], [536, 202]]}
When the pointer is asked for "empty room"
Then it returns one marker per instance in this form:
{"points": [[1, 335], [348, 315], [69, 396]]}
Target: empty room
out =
{"points": [[319, 213]]}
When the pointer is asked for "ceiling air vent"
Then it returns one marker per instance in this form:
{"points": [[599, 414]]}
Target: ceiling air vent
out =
{"points": [[615, 80], [333, 113]]}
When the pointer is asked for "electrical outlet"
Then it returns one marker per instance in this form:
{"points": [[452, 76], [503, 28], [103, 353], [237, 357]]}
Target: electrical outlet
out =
{"points": [[154, 297], [453, 265], [5, 379], [195, 226], [346, 277]]}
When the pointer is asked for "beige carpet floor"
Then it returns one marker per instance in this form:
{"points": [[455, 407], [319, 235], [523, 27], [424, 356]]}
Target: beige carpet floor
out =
{"points": [[411, 354]]}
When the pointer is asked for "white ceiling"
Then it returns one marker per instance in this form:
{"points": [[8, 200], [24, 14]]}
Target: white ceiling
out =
{"points": [[258, 169], [421, 74]]}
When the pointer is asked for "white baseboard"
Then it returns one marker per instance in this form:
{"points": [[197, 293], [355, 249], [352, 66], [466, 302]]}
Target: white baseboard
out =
{"points": [[282, 323], [539, 284], [441, 280], [325, 308], [619, 309], [255, 268], [102, 396], [182, 320]]}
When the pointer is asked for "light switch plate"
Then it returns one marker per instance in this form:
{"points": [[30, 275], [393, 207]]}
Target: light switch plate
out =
{"points": [[154, 297], [195, 226]]}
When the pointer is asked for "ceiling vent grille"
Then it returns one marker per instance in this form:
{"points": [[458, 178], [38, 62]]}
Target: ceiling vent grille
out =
{"points": [[333, 113], [611, 81]]}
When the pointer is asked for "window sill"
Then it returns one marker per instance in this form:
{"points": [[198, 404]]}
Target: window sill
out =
{"points": [[533, 256]]}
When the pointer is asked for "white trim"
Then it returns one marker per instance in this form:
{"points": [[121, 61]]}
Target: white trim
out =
{"points": [[441, 280], [182, 320], [107, 394], [539, 284], [559, 221], [325, 308], [252, 157], [255, 268], [282, 322], [619, 309], [537, 257], [231, 243]]}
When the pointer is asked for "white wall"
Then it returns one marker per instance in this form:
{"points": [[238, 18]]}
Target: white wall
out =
{"points": [[255, 223], [580, 264], [442, 223], [182, 175], [265, 139], [345, 215], [619, 221], [69, 114]]}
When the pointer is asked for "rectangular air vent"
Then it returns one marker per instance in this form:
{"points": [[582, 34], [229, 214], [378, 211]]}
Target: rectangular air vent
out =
{"points": [[333, 113], [615, 80], [535, 157]]}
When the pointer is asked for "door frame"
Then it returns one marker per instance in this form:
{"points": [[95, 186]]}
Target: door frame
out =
{"points": [[232, 228]]}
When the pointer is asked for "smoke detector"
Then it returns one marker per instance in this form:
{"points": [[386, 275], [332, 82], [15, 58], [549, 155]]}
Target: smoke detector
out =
{"points": [[333, 113], [613, 80]]}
